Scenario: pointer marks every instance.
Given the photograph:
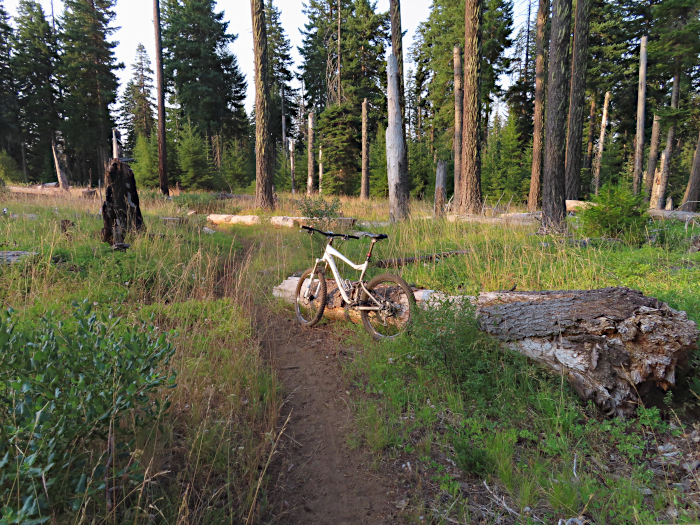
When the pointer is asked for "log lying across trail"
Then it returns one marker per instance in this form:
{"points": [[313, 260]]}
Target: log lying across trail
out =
{"points": [[613, 344]]}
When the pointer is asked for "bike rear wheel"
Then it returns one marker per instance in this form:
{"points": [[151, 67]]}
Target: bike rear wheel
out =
{"points": [[397, 303], [310, 297]]}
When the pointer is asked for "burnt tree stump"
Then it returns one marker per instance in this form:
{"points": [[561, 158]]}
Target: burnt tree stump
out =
{"points": [[613, 344], [121, 212]]}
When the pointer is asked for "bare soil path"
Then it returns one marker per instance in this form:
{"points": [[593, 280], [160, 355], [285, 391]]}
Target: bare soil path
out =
{"points": [[316, 478]]}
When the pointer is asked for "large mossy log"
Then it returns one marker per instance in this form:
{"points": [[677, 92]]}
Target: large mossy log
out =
{"points": [[121, 212], [613, 344]]}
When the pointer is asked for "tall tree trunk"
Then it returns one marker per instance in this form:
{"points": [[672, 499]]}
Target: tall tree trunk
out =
{"points": [[601, 143], [440, 189], [692, 192], [538, 131], [553, 175], [641, 100], [591, 137], [653, 157], [162, 152], [398, 201], [457, 143], [397, 50], [60, 174], [292, 166], [263, 153], [284, 124], [670, 139], [470, 183], [364, 189], [320, 169], [24, 163], [576, 99], [340, 88], [310, 154]]}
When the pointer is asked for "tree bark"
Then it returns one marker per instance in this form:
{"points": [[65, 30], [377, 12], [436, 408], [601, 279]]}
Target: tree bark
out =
{"points": [[470, 183], [440, 189], [397, 49], [284, 124], [653, 157], [553, 175], [576, 99], [533, 200], [292, 166], [692, 191], [641, 100], [364, 189], [612, 343], [121, 212], [320, 169], [601, 143], [457, 142], [263, 152], [162, 152], [60, 174], [662, 181], [310, 154], [398, 201], [591, 137]]}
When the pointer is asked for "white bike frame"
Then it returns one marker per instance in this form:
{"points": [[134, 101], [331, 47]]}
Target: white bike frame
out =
{"points": [[327, 258]]}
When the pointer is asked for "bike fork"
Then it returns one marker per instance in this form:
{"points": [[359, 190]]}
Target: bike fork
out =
{"points": [[311, 280]]}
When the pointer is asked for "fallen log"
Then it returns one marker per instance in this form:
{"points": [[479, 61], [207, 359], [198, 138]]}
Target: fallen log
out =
{"points": [[402, 261], [612, 344]]}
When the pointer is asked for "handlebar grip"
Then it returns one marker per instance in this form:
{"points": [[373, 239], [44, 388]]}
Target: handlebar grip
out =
{"points": [[307, 228]]}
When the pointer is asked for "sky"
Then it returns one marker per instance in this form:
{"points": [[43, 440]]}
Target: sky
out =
{"points": [[135, 22]]}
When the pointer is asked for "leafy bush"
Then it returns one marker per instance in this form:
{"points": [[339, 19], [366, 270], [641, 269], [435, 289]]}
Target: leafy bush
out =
{"points": [[318, 207], [9, 172], [617, 214], [73, 396]]}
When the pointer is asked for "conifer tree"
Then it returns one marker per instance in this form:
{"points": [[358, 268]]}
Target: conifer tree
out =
{"points": [[280, 62], [8, 99], [145, 165], [138, 106], [196, 172], [33, 65], [200, 68], [89, 86]]}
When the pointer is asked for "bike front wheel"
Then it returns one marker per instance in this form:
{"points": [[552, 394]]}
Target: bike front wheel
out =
{"points": [[395, 302], [310, 297]]}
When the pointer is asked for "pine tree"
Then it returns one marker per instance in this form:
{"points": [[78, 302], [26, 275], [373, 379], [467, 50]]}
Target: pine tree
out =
{"points": [[138, 106], [8, 99], [280, 62], [89, 86], [33, 66], [340, 130], [200, 68], [145, 165], [196, 172], [235, 164]]}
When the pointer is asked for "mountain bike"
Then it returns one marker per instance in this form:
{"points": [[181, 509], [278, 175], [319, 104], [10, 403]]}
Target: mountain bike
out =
{"points": [[385, 302]]}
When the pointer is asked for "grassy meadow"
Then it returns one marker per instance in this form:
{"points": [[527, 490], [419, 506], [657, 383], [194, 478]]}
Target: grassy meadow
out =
{"points": [[184, 435]]}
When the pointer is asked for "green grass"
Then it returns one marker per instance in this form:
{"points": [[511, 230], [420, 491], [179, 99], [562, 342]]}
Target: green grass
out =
{"points": [[201, 461]]}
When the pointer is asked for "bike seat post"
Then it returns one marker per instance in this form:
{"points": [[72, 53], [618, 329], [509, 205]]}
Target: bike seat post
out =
{"points": [[371, 247]]}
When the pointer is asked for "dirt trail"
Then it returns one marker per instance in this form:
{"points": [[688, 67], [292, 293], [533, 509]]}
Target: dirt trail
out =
{"points": [[316, 478]]}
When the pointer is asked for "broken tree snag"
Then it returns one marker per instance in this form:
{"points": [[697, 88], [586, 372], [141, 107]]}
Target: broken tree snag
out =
{"points": [[121, 212], [614, 344]]}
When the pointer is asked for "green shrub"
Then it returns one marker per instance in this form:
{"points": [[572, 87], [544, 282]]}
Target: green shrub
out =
{"points": [[617, 214], [9, 172], [73, 396], [318, 207]]}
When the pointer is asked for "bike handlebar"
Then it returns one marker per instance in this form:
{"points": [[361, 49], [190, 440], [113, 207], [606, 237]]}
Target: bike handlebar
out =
{"points": [[329, 234]]}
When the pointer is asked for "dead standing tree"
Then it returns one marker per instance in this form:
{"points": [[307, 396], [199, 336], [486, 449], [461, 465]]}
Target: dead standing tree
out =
{"points": [[121, 212], [553, 175], [398, 200], [364, 188], [263, 150], [641, 99], [601, 143]]}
